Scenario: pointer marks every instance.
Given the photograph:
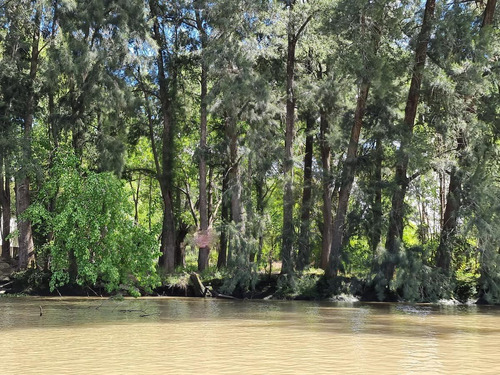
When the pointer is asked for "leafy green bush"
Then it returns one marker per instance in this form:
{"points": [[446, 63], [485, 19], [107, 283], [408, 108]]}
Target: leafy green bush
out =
{"points": [[92, 237], [465, 285]]}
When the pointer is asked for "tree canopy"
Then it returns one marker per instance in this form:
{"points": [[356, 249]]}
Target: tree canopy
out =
{"points": [[141, 139]]}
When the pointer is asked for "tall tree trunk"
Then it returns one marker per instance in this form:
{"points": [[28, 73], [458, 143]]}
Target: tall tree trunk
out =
{"points": [[395, 230], [348, 172], [304, 253], [26, 255], [442, 197], [376, 227], [489, 12], [5, 208], [234, 173], [26, 248], [135, 198], [233, 184], [226, 217], [259, 191], [168, 243], [326, 243], [204, 250], [182, 231], [444, 250], [249, 211], [288, 230], [165, 172]]}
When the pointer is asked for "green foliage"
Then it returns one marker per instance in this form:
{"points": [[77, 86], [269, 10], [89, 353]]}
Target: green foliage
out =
{"points": [[98, 90], [416, 280], [359, 256], [304, 287], [241, 272], [466, 285], [92, 237], [31, 280]]}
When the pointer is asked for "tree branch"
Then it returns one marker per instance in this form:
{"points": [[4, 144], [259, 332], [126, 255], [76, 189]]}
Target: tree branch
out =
{"points": [[301, 29], [187, 193]]}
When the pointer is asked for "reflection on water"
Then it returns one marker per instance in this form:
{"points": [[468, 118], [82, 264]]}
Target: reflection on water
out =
{"points": [[179, 336]]}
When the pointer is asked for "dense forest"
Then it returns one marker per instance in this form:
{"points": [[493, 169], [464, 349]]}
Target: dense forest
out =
{"points": [[141, 140]]}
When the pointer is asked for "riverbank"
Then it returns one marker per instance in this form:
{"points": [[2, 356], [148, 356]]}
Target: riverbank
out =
{"points": [[311, 286]]}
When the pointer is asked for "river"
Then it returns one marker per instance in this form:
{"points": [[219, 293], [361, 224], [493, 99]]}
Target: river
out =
{"points": [[207, 336]]}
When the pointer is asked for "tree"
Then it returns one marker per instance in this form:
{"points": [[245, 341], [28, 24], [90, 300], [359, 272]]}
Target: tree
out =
{"points": [[454, 196], [5, 202], [30, 31], [295, 27], [93, 236], [166, 91], [395, 230], [304, 251]]}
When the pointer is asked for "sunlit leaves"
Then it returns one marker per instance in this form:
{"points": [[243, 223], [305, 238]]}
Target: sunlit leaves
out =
{"points": [[93, 238]]}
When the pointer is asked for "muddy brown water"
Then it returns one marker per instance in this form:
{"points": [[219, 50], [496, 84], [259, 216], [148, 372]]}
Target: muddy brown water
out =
{"points": [[197, 336]]}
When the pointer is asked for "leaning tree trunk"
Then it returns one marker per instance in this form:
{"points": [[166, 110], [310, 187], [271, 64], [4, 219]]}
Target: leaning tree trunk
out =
{"points": [[304, 251], [395, 230], [326, 243], [348, 172]]}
